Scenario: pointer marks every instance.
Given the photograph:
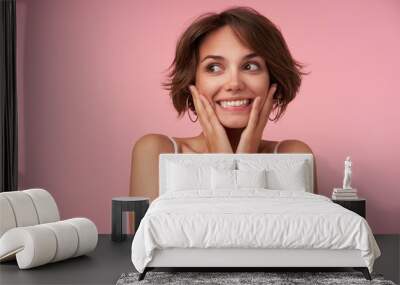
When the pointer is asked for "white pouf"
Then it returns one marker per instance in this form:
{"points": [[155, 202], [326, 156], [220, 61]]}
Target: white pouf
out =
{"points": [[31, 232]]}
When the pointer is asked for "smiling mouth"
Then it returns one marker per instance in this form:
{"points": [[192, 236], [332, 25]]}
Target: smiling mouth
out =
{"points": [[235, 107], [250, 100]]}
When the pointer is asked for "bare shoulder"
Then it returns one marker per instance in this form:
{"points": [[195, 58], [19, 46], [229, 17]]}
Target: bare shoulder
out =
{"points": [[144, 164], [153, 143], [293, 146]]}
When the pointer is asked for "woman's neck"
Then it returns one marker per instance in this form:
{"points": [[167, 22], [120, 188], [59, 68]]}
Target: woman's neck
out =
{"points": [[234, 137]]}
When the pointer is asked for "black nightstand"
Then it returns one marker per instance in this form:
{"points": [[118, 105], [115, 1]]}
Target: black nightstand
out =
{"points": [[357, 205], [138, 205]]}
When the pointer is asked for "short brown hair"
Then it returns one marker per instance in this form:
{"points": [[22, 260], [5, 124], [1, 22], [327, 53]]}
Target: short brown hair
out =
{"points": [[253, 29]]}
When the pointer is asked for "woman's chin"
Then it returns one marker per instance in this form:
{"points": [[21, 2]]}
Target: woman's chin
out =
{"points": [[234, 124]]}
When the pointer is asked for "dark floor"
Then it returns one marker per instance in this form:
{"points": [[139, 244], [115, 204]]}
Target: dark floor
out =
{"points": [[111, 259]]}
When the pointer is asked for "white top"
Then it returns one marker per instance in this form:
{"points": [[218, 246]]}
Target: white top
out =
{"points": [[175, 145], [177, 151]]}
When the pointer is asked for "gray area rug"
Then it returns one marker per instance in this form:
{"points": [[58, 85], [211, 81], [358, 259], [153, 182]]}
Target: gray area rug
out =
{"points": [[225, 278]]}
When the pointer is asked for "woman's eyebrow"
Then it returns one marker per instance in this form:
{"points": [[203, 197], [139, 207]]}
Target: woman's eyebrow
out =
{"points": [[218, 57]]}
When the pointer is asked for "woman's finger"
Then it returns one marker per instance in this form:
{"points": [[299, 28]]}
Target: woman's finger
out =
{"points": [[194, 92], [200, 110], [254, 114], [267, 107], [212, 117]]}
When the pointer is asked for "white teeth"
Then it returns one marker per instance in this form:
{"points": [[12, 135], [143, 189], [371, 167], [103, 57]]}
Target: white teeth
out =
{"points": [[236, 103]]}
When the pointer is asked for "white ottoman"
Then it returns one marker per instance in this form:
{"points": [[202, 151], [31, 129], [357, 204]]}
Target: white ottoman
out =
{"points": [[31, 232]]}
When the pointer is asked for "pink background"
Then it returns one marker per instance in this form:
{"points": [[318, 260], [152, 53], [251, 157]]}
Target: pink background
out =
{"points": [[89, 75]]}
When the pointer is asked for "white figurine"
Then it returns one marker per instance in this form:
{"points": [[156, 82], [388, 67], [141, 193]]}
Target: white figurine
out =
{"points": [[347, 174]]}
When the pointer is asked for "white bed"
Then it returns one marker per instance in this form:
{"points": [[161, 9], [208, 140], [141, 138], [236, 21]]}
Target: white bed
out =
{"points": [[201, 220]]}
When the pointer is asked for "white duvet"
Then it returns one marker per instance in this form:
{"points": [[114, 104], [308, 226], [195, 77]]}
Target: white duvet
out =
{"points": [[250, 218]]}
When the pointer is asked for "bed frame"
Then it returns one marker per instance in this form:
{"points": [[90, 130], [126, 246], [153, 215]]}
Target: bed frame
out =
{"points": [[250, 258], [242, 259]]}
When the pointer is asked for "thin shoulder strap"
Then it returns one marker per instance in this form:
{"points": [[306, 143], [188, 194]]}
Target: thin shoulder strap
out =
{"points": [[175, 145], [276, 147]]}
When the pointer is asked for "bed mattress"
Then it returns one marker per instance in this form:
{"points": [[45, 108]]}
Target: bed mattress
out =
{"points": [[250, 219]]}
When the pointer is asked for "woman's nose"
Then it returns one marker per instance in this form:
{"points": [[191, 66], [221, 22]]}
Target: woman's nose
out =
{"points": [[234, 82]]}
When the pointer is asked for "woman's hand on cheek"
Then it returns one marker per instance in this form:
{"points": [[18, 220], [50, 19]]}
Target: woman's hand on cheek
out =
{"points": [[251, 136], [214, 132]]}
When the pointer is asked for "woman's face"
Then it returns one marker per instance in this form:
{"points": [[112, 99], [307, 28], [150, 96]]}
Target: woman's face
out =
{"points": [[230, 75]]}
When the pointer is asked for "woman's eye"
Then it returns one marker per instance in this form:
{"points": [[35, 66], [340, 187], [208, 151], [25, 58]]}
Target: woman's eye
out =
{"points": [[214, 68], [252, 66]]}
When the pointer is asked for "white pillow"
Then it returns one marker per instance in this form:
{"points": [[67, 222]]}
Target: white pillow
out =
{"points": [[251, 178], [237, 179], [285, 174], [295, 178], [223, 179], [181, 176]]}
